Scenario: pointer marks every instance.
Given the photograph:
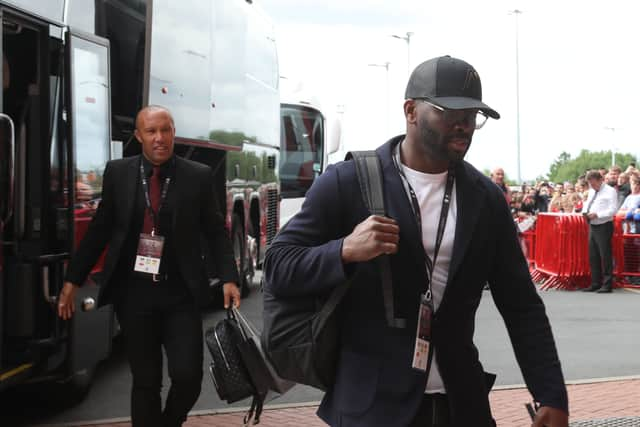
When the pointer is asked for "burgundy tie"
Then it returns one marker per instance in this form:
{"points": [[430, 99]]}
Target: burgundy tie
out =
{"points": [[154, 195]]}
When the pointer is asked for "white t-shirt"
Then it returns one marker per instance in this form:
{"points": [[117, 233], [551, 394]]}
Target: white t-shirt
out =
{"points": [[632, 201], [429, 190]]}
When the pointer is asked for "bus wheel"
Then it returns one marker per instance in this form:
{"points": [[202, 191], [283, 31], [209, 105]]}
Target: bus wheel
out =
{"points": [[80, 383], [240, 254]]}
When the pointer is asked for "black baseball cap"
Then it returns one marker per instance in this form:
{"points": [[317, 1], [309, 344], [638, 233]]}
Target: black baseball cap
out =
{"points": [[450, 83]]}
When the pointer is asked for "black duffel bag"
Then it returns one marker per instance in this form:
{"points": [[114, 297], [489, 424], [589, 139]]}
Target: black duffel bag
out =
{"points": [[301, 335]]}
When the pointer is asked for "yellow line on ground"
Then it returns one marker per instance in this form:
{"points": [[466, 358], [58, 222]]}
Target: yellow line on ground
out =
{"points": [[15, 371], [637, 291]]}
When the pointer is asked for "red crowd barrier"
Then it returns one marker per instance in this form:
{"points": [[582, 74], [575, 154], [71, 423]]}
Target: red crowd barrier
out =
{"points": [[626, 256], [560, 248], [528, 242], [561, 251]]}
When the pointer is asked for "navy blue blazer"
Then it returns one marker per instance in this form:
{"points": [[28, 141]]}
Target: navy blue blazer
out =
{"points": [[375, 384]]}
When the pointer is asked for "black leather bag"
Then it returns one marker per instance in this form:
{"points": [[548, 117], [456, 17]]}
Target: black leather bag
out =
{"points": [[301, 335], [230, 376], [239, 367]]}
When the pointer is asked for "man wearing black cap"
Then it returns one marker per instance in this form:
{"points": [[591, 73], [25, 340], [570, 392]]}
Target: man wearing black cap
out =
{"points": [[448, 232]]}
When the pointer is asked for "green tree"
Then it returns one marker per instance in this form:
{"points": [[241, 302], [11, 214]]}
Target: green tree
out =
{"points": [[230, 138], [564, 168]]}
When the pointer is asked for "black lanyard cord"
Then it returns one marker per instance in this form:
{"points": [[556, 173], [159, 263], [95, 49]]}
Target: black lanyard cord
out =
{"points": [[442, 223], [147, 197]]}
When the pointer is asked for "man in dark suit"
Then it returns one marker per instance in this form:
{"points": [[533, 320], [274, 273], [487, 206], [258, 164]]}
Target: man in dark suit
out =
{"points": [[383, 379], [155, 208]]}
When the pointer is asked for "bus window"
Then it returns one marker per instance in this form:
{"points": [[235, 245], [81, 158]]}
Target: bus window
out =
{"points": [[302, 136], [90, 115]]}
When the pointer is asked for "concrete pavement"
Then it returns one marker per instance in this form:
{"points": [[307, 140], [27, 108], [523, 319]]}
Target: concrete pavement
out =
{"points": [[608, 402]]}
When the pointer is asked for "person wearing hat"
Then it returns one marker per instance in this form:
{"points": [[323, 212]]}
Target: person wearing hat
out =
{"points": [[447, 232]]}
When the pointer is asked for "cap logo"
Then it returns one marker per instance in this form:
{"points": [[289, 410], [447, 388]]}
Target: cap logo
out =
{"points": [[470, 78]]}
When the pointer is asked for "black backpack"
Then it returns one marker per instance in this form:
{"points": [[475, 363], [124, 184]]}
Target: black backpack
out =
{"points": [[301, 335]]}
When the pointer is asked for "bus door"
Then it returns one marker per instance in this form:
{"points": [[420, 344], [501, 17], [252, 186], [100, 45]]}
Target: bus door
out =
{"points": [[26, 314], [38, 237], [89, 149], [7, 144]]}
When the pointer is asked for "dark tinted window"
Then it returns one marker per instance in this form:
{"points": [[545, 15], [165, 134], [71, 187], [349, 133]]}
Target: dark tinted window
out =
{"points": [[301, 148], [123, 22]]}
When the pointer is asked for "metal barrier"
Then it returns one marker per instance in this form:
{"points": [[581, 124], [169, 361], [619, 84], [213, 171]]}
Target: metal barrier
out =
{"points": [[528, 243], [560, 248], [626, 256], [561, 252]]}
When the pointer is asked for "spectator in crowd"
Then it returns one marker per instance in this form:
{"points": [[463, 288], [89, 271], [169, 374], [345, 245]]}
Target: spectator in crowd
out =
{"points": [[630, 213], [571, 198], [542, 197], [631, 206], [528, 204], [624, 189], [582, 188], [497, 176], [582, 179], [601, 205], [556, 199], [612, 177]]}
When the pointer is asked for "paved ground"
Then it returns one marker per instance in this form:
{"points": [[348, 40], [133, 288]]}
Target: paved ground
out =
{"points": [[601, 402]]}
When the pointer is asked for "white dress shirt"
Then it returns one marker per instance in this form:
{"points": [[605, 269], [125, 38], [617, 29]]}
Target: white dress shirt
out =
{"points": [[605, 204]]}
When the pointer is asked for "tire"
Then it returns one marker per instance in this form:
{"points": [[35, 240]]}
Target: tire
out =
{"points": [[79, 385], [240, 254]]}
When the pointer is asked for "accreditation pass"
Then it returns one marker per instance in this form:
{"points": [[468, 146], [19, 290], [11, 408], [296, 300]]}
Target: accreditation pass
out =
{"points": [[149, 253], [423, 336]]}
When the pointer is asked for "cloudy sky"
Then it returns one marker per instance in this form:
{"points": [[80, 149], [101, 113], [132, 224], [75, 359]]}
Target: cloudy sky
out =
{"points": [[578, 69]]}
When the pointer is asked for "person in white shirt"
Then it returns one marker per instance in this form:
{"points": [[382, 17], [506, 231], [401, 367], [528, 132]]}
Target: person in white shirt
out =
{"points": [[601, 206]]}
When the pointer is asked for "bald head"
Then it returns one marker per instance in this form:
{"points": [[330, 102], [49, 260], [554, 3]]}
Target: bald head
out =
{"points": [[155, 131], [152, 109], [497, 175]]}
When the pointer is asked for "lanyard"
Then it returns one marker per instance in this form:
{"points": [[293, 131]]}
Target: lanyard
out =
{"points": [[147, 198], [446, 201]]}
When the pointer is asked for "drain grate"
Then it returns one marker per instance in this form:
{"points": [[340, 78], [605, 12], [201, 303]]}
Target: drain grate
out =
{"points": [[609, 422]]}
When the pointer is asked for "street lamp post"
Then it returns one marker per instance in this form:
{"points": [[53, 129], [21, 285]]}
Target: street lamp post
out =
{"points": [[385, 65], [406, 38], [517, 12], [613, 146]]}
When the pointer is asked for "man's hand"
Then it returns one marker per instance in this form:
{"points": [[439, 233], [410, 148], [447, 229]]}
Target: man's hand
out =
{"points": [[592, 215], [66, 300], [547, 416], [374, 236], [230, 292]]}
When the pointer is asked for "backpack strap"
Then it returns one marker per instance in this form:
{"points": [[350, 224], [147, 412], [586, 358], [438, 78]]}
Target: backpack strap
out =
{"points": [[370, 179]]}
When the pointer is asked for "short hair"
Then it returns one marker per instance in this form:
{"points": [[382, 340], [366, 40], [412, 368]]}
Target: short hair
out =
{"points": [[615, 168], [594, 174]]}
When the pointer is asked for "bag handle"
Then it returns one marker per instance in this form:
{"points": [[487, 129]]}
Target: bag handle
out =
{"points": [[369, 173]]}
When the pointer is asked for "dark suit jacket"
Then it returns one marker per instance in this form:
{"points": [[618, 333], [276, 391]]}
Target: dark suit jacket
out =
{"points": [[375, 384], [195, 213]]}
